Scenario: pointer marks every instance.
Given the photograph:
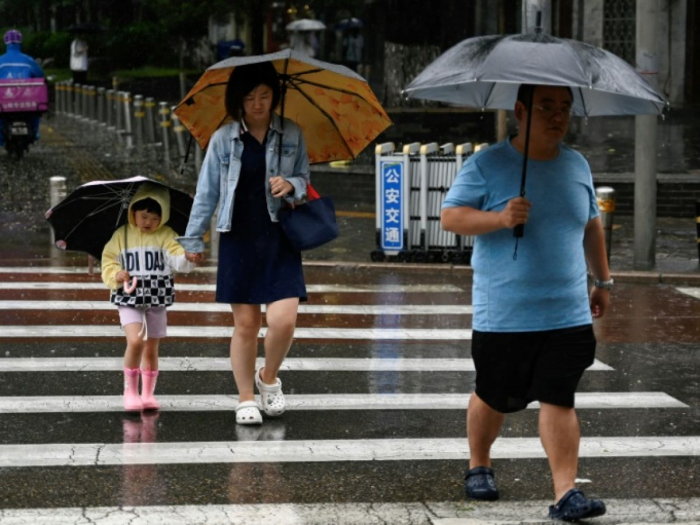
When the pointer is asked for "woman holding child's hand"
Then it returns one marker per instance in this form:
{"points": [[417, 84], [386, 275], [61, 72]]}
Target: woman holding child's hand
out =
{"points": [[254, 165]]}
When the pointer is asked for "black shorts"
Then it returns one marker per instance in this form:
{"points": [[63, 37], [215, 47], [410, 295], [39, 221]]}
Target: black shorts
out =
{"points": [[516, 368]]}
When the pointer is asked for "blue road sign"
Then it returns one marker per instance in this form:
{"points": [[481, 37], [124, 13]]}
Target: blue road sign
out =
{"points": [[392, 192]]}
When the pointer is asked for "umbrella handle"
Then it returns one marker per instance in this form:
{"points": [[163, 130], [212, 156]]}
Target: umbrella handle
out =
{"points": [[128, 288], [519, 231]]}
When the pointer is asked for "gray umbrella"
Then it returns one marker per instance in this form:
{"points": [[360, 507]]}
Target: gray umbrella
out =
{"points": [[486, 72]]}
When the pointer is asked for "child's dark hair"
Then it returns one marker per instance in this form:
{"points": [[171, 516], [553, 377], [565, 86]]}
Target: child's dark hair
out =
{"points": [[148, 204], [245, 79]]}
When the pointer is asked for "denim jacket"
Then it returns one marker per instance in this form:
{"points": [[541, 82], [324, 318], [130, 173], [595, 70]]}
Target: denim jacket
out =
{"points": [[221, 170]]}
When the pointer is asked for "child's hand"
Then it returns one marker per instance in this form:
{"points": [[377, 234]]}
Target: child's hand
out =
{"points": [[122, 276], [197, 258]]}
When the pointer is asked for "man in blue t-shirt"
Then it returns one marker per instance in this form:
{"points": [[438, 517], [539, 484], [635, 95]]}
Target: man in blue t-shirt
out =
{"points": [[533, 335]]}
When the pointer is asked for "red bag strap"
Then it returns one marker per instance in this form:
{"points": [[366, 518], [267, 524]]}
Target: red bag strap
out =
{"points": [[311, 193]]}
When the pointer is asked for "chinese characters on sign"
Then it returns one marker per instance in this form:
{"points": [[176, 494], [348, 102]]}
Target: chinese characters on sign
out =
{"points": [[392, 205], [19, 105]]}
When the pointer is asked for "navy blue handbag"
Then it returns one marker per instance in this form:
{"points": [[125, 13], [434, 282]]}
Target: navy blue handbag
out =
{"points": [[311, 224]]}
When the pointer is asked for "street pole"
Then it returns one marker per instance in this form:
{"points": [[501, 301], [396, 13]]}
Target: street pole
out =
{"points": [[530, 9], [645, 142]]}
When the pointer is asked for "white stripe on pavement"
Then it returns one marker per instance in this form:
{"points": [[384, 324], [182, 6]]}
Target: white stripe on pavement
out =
{"points": [[208, 403], [188, 287], [377, 334], [344, 309], [207, 364], [38, 270], [93, 454], [693, 292], [649, 511]]}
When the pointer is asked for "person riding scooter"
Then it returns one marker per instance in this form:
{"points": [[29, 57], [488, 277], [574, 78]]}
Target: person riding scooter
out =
{"points": [[16, 65]]}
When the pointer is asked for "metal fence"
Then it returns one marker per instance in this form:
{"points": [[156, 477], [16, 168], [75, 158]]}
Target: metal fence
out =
{"points": [[410, 187], [136, 122]]}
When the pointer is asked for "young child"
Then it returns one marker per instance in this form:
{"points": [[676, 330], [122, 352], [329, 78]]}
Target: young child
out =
{"points": [[137, 265]]}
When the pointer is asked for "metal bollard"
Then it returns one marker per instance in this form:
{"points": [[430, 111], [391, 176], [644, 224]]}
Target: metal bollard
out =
{"points": [[128, 129], [605, 196], [179, 131], [697, 225], [92, 100], [197, 158], [57, 192], [101, 106], [138, 120], [86, 102], [165, 123], [109, 108], [118, 112], [68, 98], [77, 93], [150, 124], [59, 102]]}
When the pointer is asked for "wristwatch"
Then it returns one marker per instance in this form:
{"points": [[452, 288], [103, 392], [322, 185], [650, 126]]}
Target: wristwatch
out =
{"points": [[605, 285]]}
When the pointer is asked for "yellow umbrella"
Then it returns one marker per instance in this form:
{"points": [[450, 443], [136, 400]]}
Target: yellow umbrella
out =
{"points": [[335, 107]]}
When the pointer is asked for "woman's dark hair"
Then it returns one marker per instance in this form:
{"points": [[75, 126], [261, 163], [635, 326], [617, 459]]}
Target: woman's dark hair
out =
{"points": [[525, 91], [245, 79], [148, 204]]}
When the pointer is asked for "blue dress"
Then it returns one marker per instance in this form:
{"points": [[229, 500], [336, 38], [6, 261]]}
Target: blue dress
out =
{"points": [[257, 264]]}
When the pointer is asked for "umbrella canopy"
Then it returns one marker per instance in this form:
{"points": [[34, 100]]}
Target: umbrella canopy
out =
{"points": [[306, 24], [485, 72], [86, 219], [334, 106]]}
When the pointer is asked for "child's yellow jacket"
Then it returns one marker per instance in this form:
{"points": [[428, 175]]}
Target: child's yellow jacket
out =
{"points": [[151, 257]]}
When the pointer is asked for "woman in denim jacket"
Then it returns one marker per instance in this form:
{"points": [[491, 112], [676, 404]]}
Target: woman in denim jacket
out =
{"points": [[244, 173]]}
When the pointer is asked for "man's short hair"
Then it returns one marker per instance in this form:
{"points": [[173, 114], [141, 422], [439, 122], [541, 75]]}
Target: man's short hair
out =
{"points": [[525, 91], [148, 204], [245, 79]]}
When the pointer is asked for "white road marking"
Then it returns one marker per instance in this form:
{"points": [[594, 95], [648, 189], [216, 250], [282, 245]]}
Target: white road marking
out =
{"points": [[342, 309], [208, 403], [457, 449], [693, 292], [207, 364], [657, 510], [188, 287], [378, 334]]}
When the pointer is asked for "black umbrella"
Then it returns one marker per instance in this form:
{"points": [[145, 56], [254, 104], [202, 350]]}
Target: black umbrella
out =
{"points": [[86, 219]]}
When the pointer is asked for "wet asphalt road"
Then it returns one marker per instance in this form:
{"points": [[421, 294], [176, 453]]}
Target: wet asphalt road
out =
{"points": [[648, 347]]}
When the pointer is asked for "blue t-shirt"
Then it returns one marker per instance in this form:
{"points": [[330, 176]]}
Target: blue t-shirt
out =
{"points": [[546, 287]]}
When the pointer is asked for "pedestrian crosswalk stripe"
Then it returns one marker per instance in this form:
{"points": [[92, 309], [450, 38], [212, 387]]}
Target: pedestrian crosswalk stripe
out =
{"points": [[207, 403], [206, 364], [637, 510], [341, 309], [74, 269], [385, 334], [189, 287], [693, 292], [96, 454]]}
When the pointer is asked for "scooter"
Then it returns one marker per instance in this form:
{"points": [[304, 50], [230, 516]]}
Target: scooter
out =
{"points": [[22, 102]]}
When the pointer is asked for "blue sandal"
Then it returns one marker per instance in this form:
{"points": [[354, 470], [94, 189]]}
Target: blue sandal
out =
{"points": [[479, 484], [575, 506]]}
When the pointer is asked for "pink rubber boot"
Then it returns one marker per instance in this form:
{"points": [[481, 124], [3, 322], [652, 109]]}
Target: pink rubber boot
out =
{"points": [[147, 390], [132, 401]]}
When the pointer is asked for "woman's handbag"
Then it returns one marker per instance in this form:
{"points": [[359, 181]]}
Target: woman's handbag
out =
{"points": [[311, 224]]}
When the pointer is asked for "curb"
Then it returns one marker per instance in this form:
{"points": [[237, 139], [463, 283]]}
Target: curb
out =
{"points": [[639, 277]]}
